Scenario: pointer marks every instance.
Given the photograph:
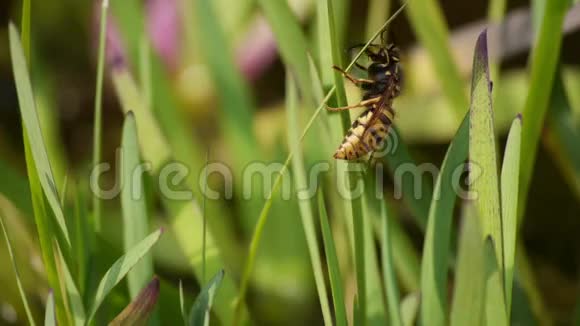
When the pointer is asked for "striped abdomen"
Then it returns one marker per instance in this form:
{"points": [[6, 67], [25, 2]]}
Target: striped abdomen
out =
{"points": [[362, 139]]}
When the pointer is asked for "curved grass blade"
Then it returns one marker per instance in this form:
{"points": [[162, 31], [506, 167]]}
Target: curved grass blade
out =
{"points": [[333, 266], [200, 311], [17, 275], [437, 238], [392, 289], [140, 309], [429, 25], [49, 315], [495, 312], [509, 204], [482, 149], [306, 210], [42, 218], [469, 292], [134, 208], [263, 217], [34, 133], [543, 63], [120, 269]]}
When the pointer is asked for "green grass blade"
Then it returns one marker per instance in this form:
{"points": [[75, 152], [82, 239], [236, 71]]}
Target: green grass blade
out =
{"points": [[263, 217], [495, 312], [17, 275], [437, 238], [509, 204], [139, 311], [482, 149], [333, 266], [543, 62], [32, 126], [120, 269], [469, 292], [431, 30], [75, 299], [390, 280], [356, 213], [200, 311], [135, 217], [306, 210], [25, 27], [98, 127], [50, 316], [43, 227]]}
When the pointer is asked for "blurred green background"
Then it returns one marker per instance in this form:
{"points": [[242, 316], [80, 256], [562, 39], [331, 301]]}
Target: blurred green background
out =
{"points": [[168, 52]]}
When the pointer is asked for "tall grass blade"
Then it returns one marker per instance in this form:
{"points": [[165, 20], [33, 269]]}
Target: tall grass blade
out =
{"points": [[495, 312], [543, 63], [42, 218], [98, 119], [34, 133], [431, 30], [200, 311], [356, 213], [17, 275], [389, 277], [437, 238], [469, 292], [306, 210], [25, 27], [134, 207], [49, 315], [263, 217], [509, 205], [120, 269], [336, 283], [483, 176]]}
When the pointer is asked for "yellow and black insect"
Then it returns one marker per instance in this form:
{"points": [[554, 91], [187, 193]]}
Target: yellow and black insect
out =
{"points": [[369, 130]]}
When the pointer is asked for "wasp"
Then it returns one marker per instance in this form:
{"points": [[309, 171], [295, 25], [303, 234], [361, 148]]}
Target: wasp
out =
{"points": [[383, 84]]}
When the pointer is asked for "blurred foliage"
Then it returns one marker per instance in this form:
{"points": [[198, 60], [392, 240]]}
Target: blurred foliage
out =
{"points": [[241, 80]]}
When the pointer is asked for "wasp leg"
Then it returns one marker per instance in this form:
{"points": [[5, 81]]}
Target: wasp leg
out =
{"points": [[361, 67], [354, 80], [354, 106]]}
